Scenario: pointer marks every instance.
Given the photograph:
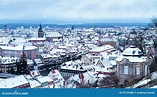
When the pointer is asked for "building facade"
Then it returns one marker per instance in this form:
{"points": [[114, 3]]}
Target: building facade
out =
{"points": [[9, 51], [132, 65]]}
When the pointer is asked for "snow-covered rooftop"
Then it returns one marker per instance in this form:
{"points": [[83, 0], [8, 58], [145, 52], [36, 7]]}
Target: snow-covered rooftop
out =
{"points": [[142, 82], [13, 82], [46, 55], [37, 61], [4, 40], [131, 51], [72, 65], [100, 69], [88, 78], [38, 39], [29, 61], [56, 51], [34, 73], [132, 59], [18, 41], [102, 48], [107, 39], [105, 62], [155, 86], [53, 34], [154, 76], [57, 78], [33, 83], [43, 79], [19, 47], [133, 54]]}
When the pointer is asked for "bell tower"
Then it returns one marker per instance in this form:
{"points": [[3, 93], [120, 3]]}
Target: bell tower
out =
{"points": [[40, 32]]}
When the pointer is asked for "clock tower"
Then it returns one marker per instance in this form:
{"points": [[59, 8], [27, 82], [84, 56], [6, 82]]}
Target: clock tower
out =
{"points": [[40, 32]]}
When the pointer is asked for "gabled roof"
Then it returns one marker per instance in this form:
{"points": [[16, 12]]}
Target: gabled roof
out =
{"points": [[105, 62]]}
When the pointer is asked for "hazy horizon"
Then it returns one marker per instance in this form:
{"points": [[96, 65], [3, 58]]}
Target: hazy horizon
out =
{"points": [[77, 11], [74, 21]]}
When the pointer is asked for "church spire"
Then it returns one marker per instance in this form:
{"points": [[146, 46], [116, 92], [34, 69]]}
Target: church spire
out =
{"points": [[5, 28], [40, 26], [40, 31]]}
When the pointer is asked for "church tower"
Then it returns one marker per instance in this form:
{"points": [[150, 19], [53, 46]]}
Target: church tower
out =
{"points": [[5, 29], [40, 32]]}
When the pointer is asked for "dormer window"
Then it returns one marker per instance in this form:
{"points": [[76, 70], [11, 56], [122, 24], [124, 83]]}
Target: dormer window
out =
{"points": [[133, 52], [139, 52]]}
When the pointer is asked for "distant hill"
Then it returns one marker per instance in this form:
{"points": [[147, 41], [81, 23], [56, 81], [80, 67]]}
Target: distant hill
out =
{"points": [[83, 25]]}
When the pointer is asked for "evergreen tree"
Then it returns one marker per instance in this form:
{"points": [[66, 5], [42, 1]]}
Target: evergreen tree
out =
{"points": [[22, 67], [12, 71], [154, 25], [18, 66], [139, 43], [153, 22]]}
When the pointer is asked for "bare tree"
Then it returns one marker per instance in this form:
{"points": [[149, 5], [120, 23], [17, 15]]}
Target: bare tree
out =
{"points": [[154, 24], [109, 82]]}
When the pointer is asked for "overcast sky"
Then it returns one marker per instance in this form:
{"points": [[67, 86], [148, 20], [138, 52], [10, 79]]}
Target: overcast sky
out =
{"points": [[78, 10]]}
